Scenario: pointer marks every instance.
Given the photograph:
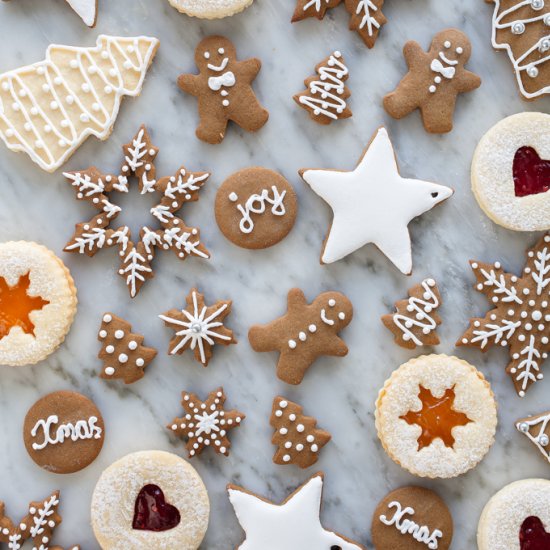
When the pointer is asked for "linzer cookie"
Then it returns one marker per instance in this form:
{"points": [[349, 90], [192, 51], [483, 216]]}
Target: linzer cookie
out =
{"points": [[537, 430], [412, 518], [37, 303], [434, 80], [210, 9], [150, 499], [436, 416], [86, 10], [511, 172], [256, 208]]}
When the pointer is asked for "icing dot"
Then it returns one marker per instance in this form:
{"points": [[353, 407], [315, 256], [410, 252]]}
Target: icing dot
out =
{"points": [[206, 55], [447, 44], [109, 371], [84, 117], [69, 99], [283, 404], [127, 65], [110, 349], [233, 197], [532, 71], [73, 64], [286, 458], [332, 302], [292, 417], [102, 333], [341, 316], [292, 344], [300, 428], [299, 447], [54, 105], [132, 345], [123, 358], [104, 54], [112, 72], [108, 90], [225, 103], [288, 445], [312, 328], [310, 439], [279, 413], [119, 334], [536, 315], [283, 431], [314, 448], [302, 336], [459, 50], [432, 89], [5, 86]]}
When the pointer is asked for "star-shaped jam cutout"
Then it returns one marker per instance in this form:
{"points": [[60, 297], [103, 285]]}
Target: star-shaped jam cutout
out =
{"points": [[16, 306], [437, 417], [199, 327], [136, 258], [520, 318], [206, 423]]}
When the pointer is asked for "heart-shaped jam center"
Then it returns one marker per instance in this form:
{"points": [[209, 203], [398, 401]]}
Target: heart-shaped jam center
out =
{"points": [[152, 512], [531, 173], [532, 535]]}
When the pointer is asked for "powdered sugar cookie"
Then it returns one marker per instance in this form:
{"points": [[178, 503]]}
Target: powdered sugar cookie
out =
{"points": [[210, 9], [510, 173], [150, 499], [517, 517], [436, 416], [37, 303]]}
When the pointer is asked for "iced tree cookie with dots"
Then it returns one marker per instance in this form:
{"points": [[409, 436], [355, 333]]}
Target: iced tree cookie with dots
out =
{"points": [[412, 518], [298, 439], [86, 10], [434, 80], [37, 303], [373, 204], [416, 320], [256, 208], [64, 432], [199, 327], [150, 499], [223, 89], [517, 517], [520, 314], [304, 333], [210, 9], [206, 423], [51, 107], [122, 351], [293, 525], [326, 94], [37, 526], [511, 172], [436, 416], [537, 429], [522, 29], [95, 187]]}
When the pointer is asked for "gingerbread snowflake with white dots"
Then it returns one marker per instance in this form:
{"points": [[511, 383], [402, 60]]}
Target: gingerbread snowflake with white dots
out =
{"points": [[206, 423], [93, 186], [520, 319]]}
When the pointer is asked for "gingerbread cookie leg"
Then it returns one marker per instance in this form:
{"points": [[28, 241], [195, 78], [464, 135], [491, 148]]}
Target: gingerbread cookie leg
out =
{"points": [[212, 127], [438, 116], [254, 117]]}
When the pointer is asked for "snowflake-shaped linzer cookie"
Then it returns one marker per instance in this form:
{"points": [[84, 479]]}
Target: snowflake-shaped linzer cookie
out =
{"points": [[38, 525], [206, 423], [136, 258], [199, 327], [520, 318]]}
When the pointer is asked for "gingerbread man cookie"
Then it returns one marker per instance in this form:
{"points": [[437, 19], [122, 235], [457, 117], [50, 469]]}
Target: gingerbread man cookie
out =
{"points": [[224, 90], [306, 332], [434, 80]]}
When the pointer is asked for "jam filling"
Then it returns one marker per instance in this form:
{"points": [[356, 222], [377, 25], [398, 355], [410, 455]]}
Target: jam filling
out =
{"points": [[531, 173], [152, 512], [532, 535]]}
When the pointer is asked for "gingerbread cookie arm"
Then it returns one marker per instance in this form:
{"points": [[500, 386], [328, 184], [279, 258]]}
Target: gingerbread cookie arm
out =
{"points": [[251, 67], [414, 55], [260, 338], [335, 348], [190, 83], [467, 82], [296, 299]]}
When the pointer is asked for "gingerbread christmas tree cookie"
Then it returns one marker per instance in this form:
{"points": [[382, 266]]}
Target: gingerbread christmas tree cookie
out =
{"points": [[537, 429]]}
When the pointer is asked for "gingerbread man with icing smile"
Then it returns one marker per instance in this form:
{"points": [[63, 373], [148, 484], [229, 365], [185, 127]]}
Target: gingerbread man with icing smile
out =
{"points": [[224, 90]]}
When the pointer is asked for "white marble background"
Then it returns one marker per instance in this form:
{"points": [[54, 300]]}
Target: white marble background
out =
{"points": [[339, 392]]}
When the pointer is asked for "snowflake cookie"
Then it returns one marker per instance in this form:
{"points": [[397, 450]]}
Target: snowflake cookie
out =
{"points": [[210, 9], [520, 318], [199, 327], [93, 186], [150, 499], [38, 525], [517, 517], [206, 423], [436, 416], [293, 525], [86, 10], [537, 429]]}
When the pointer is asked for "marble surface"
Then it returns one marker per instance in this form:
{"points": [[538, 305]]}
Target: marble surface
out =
{"points": [[339, 392]]}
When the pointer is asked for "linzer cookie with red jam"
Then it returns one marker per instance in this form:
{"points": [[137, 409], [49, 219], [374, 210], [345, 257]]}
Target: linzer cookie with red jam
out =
{"points": [[150, 499], [517, 518], [511, 172], [436, 416], [37, 303]]}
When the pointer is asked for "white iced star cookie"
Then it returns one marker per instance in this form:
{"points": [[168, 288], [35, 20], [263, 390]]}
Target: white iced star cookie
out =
{"points": [[373, 204], [86, 10], [293, 525], [210, 9]]}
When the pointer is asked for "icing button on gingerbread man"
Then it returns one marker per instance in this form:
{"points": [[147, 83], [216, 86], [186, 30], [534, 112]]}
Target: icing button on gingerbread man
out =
{"points": [[434, 80], [224, 90]]}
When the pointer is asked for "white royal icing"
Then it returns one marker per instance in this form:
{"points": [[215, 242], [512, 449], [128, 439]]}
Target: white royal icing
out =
{"points": [[364, 8], [257, 204], [86, 9], [443, 67], [540, 439], [54, 433]]}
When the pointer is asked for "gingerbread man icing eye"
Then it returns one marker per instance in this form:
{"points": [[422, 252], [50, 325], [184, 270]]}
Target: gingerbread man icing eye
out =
{"points": [[221, 51], [206, 55], [447, 44], [459, 50]]}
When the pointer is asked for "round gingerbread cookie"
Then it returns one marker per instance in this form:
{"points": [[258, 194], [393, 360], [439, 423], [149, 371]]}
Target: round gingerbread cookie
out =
{"points": [[37, 303], [436, 416], [150, 499], [511, 172], [63, 432], [517, 517], [412, 518], [256, 208], [210, 9]]}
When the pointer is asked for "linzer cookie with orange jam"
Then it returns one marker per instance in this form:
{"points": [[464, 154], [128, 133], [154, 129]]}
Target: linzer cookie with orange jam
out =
{"points": [[436, 416], [37, 303]]}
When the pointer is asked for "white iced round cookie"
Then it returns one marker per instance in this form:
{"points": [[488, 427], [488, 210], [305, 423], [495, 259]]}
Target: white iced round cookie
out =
{"points": [[436, 416], [150, 499], [210, 9], [519, 510], [37, 302], [511, 172]]}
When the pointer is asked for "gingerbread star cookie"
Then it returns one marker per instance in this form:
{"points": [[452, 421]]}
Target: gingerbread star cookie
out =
{"points": [[86, 10], [537, 430], [304, 333], [224, 90], [434, 80], [313, 8]]}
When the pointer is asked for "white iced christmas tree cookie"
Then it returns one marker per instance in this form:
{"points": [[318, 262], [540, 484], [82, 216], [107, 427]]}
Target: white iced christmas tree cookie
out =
{"points": [[210, 9], [49, 108], [86, 10]]}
